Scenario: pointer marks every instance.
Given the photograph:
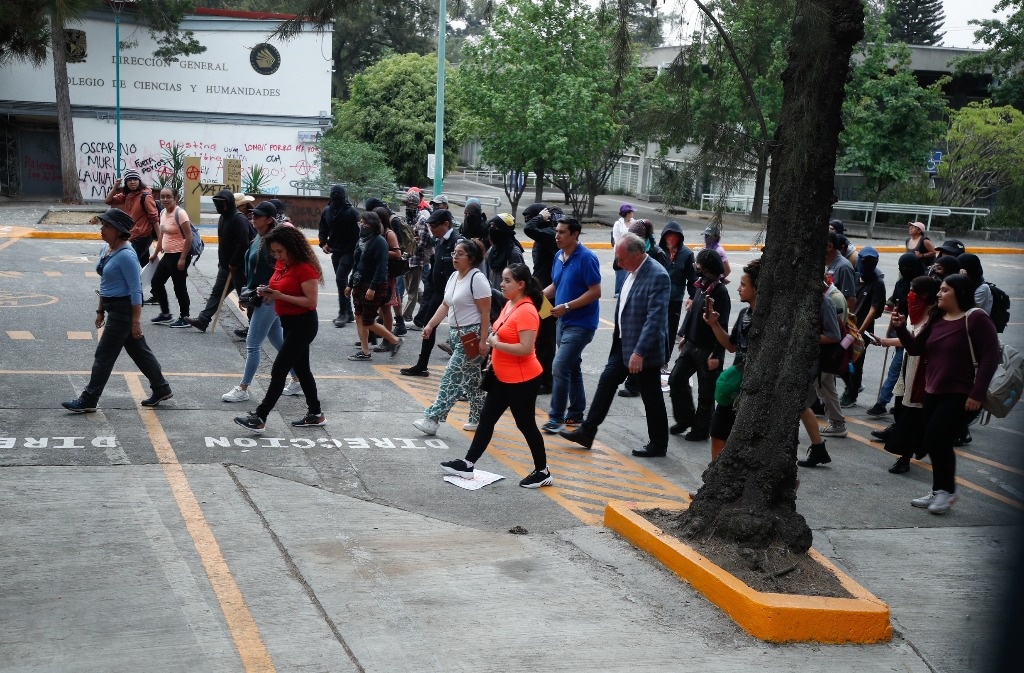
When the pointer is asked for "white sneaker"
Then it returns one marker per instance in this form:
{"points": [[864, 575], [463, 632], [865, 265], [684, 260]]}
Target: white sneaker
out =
{"points": [[427, 426], [293, 388], [471, 427], [236, 394], [834, 430], [941, 502], [924, 500]]}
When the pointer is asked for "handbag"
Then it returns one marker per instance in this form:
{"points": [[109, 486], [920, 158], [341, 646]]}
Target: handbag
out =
{"points": [[398, 266], [487, 377], [471, 344]]}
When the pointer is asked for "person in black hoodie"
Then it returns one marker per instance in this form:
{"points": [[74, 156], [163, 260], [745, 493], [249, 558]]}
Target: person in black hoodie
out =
{"points": [[474, 223], [682, 271], [540, 226], [699, 351], [339, 232], [234, 234]]}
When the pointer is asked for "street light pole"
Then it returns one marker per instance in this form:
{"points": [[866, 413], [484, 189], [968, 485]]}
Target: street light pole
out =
{"points": [[442, 24], [117, 6]]}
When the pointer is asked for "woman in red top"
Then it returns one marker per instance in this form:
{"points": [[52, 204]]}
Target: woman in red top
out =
{"points": [[954, 386], [294, 288], [517, 372]]}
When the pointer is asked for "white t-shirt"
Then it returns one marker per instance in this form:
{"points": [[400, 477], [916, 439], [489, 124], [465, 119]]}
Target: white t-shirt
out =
{"points": [[619, 229], [461, 296]]}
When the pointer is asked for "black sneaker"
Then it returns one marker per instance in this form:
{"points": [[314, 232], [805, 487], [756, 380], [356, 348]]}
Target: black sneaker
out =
{"points": [[360, 356], [79, 406], [459, 468], [537, 479], [251, 422], [877, 410], [152, 300], [180, 323], [397, 346], [414, 371], [157, 398], [310, 421], [242, 333], [163, 319]]}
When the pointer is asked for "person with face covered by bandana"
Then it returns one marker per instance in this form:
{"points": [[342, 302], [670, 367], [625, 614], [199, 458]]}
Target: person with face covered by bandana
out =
{"points": [[870, 304], [339, 232], [911, 267], [234, 234]]}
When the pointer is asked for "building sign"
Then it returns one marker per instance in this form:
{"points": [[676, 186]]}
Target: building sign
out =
{"points": [[76, 45], [265, 59]]}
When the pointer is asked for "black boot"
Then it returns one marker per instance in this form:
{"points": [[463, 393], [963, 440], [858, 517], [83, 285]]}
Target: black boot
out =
{"points": [[883, 435], [816, 455], [901, 466]]}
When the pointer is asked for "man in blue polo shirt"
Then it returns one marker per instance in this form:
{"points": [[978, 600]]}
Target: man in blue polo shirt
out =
{"points": [[575, 289]]}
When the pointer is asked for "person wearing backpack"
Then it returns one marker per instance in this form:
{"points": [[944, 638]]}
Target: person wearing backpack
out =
{"points": [[175, 242]]}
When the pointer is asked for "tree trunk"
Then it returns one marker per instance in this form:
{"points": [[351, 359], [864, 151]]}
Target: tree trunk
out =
{"points": [[874, 214], [749, 492], [538, 196], [65, 125], [757, 208]]}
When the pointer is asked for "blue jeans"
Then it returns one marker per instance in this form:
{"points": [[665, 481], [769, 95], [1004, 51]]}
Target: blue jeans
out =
{"points": [[620, 279], [263, 324], [885, 393], [566, 375]]}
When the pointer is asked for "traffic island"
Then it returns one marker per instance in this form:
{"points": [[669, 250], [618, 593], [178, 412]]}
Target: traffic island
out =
{"points": [[773, 617]]}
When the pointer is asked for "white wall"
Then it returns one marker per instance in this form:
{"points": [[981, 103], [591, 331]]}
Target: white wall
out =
{"points": [[276, 149]]}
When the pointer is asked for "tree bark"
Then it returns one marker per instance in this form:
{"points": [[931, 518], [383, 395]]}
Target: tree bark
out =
{"points": [[749, 492], [757, 207], [72, 192], [538, 195]]}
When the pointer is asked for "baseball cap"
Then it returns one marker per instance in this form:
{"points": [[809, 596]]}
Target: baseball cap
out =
{"points": [[626, 208], [952, 247], [440, 198]]}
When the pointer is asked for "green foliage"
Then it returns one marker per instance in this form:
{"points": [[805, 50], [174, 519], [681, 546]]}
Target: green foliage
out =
{"points": [[1005, 54], [891, 122], [360, 166], [984, 153], [175, 177], [915, 21], [392, 106], [538, 95], [255, 179]]}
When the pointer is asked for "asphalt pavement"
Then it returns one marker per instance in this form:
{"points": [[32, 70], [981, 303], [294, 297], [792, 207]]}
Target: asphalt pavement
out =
{"points": [[173, 540]]}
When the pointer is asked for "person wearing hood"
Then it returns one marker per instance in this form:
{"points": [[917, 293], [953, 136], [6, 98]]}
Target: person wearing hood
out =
{"points": [[234, 234], [339, 232], [419, 261], [540, 226], [138, 201], [911, 266], [504, 249], [869, 305], [475, 224], [368, 287], [970, 266], [682, 273], [947, 265]]}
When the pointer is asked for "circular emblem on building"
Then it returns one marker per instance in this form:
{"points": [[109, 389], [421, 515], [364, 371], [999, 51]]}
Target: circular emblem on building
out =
{"points": [[265, 59]]}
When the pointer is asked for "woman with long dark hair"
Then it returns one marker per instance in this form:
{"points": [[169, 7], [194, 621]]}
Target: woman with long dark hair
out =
{"points": [[954, 386], [295, 290], [467, 305], [517, 373]]}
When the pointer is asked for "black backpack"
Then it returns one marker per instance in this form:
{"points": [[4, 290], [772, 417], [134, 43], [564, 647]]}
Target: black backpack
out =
{"points": [[1000, 307]]}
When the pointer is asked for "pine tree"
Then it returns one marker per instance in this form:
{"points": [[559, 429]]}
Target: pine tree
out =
{"points": [[916, 21]]}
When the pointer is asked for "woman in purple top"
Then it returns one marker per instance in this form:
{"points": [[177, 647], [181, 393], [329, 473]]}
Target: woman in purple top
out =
{"points": [[958, 335]]}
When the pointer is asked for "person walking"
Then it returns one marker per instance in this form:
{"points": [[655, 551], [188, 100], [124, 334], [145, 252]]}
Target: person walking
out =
{"points": [[138, 201], [870, 304], [504, 250], [682, 271], [540, 226], [962, 351], [368, 286], [575, 291], [175, 242], [638, 347], [419, 261], [264, 323], [294, 289], [233, 238], [516, 377], [619, 229], [467, 306], [120, 315], [339, 233]]}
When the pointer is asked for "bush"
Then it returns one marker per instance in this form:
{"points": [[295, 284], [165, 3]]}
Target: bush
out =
{"points": [[360, 166]]}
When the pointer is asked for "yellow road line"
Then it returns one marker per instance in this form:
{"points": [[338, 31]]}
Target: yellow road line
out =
{"points": [[588, 479], [20, 335], [240, 622], [8, 243]]}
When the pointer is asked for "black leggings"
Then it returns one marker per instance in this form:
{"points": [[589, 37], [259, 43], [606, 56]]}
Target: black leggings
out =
{"points": [[943, 419], [299, 332], [166, 268], [521, 398]]}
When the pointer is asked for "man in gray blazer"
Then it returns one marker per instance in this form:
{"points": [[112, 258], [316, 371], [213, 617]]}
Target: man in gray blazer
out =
{"points": [[638, 347]]}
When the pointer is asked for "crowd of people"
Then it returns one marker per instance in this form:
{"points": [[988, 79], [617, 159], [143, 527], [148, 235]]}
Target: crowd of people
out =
{"points": [[516, 332]]}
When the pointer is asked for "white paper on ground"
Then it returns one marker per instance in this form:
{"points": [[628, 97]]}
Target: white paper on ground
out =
{"points": [[479, 480]]}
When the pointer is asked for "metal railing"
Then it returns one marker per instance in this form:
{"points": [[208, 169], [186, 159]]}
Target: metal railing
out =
{"points": [[741, 203], [459, 199], [914, 209], [975, 213]]}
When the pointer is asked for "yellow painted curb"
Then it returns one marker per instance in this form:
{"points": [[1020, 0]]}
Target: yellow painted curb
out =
{"points": [[773, 617]]}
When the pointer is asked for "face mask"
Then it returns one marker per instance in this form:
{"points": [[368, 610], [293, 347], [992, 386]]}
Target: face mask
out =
{"points": [[916, 307], [365, 233]]}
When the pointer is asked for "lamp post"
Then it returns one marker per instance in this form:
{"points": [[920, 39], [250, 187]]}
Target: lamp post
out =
{"points": [[442, 24], [118, 7]]}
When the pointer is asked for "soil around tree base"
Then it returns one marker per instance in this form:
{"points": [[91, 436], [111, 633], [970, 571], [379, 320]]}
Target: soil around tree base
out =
{"points": [[774, 569]]}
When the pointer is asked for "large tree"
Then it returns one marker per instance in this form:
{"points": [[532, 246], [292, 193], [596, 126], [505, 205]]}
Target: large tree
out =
{"points": [[749, 492], [984, 153], [892, 123], [391, 105], [915, 21], [1004, 57], [32, 31]]}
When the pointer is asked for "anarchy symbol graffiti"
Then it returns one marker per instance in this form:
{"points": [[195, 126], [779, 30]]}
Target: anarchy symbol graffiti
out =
{"points": [[192, 172], [303, 168]]}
